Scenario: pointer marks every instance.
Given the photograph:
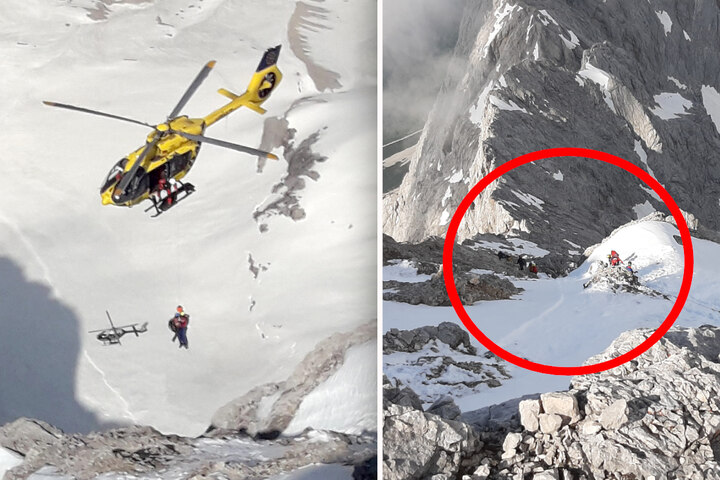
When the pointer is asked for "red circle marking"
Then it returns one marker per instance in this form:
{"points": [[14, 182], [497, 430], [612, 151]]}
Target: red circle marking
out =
{"points": [[567, 152]]}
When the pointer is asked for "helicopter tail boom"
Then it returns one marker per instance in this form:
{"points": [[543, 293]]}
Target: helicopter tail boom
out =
{"points": [[266, 77]]}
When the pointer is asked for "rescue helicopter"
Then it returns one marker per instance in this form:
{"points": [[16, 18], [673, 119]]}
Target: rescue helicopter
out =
{"points": [[111, 336], [171, 148]]}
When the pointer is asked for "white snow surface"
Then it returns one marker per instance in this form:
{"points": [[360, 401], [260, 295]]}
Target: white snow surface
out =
{"points": [[665, 20], [348, 397], [711, 102], [600, 77], [456, 177], [65, 258], [529, 199], [677, 83], [326, 472], [572, 41], [508, 105], [403, 271], [8, 460], [558, 322], [558, 176], [670, 105]]}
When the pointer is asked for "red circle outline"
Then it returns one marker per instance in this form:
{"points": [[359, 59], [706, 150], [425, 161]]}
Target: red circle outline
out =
{"points": [[567, 152]]}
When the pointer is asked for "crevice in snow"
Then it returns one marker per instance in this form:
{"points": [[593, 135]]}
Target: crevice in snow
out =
{"points": [[125, 405]]}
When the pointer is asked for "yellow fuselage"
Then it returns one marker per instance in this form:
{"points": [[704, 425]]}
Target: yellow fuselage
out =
{"points": [[172, 145]]}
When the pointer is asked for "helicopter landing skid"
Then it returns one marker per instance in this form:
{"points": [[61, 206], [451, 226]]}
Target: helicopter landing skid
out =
{"points": [[161, 206]]}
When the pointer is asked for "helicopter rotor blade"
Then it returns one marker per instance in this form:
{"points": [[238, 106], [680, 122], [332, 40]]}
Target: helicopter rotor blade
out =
{"points": [[95, 112], [130, 174], [191, 89], [223, 143]]}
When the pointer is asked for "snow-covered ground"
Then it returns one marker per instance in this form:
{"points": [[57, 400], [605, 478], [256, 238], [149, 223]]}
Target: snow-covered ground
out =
{"points": [[558, 322], [65, 258]]}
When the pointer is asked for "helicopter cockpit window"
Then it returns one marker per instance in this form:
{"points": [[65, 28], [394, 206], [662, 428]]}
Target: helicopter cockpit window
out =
{"points": [[115, 174]]}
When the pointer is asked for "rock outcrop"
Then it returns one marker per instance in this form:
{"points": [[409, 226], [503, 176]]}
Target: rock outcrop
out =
{"points": [[424, 445], [425, 365], [144, 452], [283, 399], [657, 416], [242, 442], [471, 288]]}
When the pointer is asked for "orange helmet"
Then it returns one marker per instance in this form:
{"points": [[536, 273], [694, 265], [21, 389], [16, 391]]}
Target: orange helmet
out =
{"points": [[179, 309]]}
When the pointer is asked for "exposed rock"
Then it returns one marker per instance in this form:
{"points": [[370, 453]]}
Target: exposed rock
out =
{"points": [[470, 288], [245, 414], [550, 422], [511, 442], [455, 336], [445, 407], [563, 404], [242, 413], [420, 445], [401, 396], [143, 452], [529, 414], [438, 361], [659, 413], [547, 475], [614, 416], [24, 435]]}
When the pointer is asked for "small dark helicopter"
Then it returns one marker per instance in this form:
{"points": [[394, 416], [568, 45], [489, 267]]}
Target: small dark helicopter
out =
{"points": [[111, 336], [171, 148]]}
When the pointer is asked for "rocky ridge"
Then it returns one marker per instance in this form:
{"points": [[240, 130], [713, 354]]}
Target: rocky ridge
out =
{"points": [[634, 79], [243, 441], [656, 417], [426, 366]]}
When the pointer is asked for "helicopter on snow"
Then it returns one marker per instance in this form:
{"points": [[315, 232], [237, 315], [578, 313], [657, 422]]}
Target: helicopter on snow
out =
{"points": [[171, 148], [111, 336]]}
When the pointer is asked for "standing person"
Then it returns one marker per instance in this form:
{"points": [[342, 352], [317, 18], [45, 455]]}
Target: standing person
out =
{"points": [[522, 262], [179, 324]]}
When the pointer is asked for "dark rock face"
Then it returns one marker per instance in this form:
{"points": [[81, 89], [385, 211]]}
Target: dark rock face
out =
{"points": [[470, 288], [453, 335], [634, 79]]}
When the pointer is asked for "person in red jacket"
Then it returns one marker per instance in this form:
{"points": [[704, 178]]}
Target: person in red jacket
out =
{"points": [[179, 324]]}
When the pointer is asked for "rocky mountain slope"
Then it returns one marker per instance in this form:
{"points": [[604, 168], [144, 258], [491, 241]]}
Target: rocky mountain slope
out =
{"points": [[635, 79], [259, 435], [653, 418]]}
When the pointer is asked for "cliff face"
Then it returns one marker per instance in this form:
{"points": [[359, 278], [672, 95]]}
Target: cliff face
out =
{"points": [[638, 79]]}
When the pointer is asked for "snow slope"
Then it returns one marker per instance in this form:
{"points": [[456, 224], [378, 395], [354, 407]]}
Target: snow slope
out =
{"points": [[558, 322], [65, 259]]}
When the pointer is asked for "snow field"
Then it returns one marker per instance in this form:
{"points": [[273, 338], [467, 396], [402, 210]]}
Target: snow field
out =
{"points": [[80, 258], [557, 322]]}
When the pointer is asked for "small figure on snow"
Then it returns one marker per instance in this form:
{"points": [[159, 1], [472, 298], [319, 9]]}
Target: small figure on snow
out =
{"points": [[629, 268], [533, 268], [614, 259], [179, 324]]}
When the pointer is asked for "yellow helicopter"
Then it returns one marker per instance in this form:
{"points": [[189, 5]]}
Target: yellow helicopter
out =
{"points": [[172, 146]]}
